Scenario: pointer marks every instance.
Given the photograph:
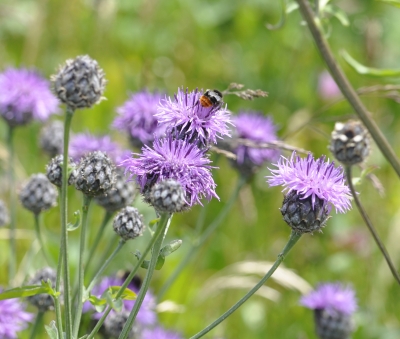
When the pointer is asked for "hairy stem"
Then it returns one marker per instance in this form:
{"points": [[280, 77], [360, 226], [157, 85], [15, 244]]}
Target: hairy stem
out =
{"points": [[12, 204], [36, 325]]}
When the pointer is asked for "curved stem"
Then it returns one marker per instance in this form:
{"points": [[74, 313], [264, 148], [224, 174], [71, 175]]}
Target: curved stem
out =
{"points": [[36, 325], [46, 255], [81, 271], [199, 242], [163, 225], [294, 237], [106, 263], [12, 205], [63, 255], [93, 247], [347, 90], [371, 226], [127, 281]]}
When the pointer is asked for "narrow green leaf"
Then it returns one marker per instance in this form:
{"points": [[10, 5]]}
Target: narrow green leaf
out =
{"points": [[154, 222], [395, 3], [338, 13], [291, 7], [52, 330], [25, 291], [127, 294], [171, 247], [361, 69], [282, 20], [72, 227]]}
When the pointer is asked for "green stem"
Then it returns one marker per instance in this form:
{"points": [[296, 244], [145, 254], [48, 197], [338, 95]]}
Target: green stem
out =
{"points": [[127, 280], [370, 226], [57, 302], [36, 325], [347, 90], [294, 237], [163, 224], [81, 270], [201, 240], [93, 247], [46, 255], [12, 203], [106, 263], [63, 255]]}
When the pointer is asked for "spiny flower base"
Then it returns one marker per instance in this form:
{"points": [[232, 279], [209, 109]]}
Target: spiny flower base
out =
{"points": [[301, 216], [332, 325]]}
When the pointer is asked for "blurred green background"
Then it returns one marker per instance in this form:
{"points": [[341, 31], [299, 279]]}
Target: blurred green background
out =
{"points": [[209, 44]]}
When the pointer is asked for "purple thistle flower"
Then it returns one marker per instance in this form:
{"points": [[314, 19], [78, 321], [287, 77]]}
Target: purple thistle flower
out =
{"points": [[13, 318], [258, 128], [312, 178], [137, 117], [159, 332], [25, 95], [82, 144], [331, 297], [146, 316], [174, 159], [186, 118]]}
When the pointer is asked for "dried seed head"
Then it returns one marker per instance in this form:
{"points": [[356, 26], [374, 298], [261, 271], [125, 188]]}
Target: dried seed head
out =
{"points": [[80, 82], [330, 324], [52, 138], [115, 322], [128, 223], [44, 302], [300, 214], [54, 170], [168, 196], [4, 217], [95, 174], [38, 194], [120, 196], [350, 142]]}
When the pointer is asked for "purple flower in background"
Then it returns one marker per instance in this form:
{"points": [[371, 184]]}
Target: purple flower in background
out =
{"points": [[327, 87], [25, 95], [312, 178], [258, 128], [146, 316], [331, 297], [13, 318], [137, 117], [174, 159], [186, 118], [84, 143], [159, 333]]}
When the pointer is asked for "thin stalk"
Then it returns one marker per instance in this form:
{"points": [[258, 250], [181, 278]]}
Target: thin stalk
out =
{"points": [[201, 240], [163, 224], [36, 325], [63, 255], [104, 266], [93, 247], [294, 237], [57, 302], [371, 226], [46, 255], [346, 88], [12, 204], [81, 270], [127, 281]]}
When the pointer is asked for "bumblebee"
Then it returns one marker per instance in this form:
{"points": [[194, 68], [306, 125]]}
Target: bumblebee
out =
{"points": [[211, 98]]}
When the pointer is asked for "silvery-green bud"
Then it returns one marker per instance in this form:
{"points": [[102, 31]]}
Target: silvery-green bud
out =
{"points": [[128, 223]]}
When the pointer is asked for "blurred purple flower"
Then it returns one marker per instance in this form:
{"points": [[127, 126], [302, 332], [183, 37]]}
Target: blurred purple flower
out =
{"points": [[84, 143], [159, 333], [327, 87], [147, 314], [25, 95], [331, 297], [13, 318], [137, 117], [174, 159], [185, 118], [315, 178], [258, 128]]}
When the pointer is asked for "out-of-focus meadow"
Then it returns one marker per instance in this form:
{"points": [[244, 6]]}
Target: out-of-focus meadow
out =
{"points": [[163, 45]]}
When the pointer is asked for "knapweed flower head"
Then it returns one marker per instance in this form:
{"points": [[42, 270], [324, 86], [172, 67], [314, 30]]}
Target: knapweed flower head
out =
{"points": [[137, 117], [173, 159], [24, 96], [185, 118], [147, 315], [13, 318], [83, 143], [255, 127], [159, 332], [331, 297], [312, 178]]}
